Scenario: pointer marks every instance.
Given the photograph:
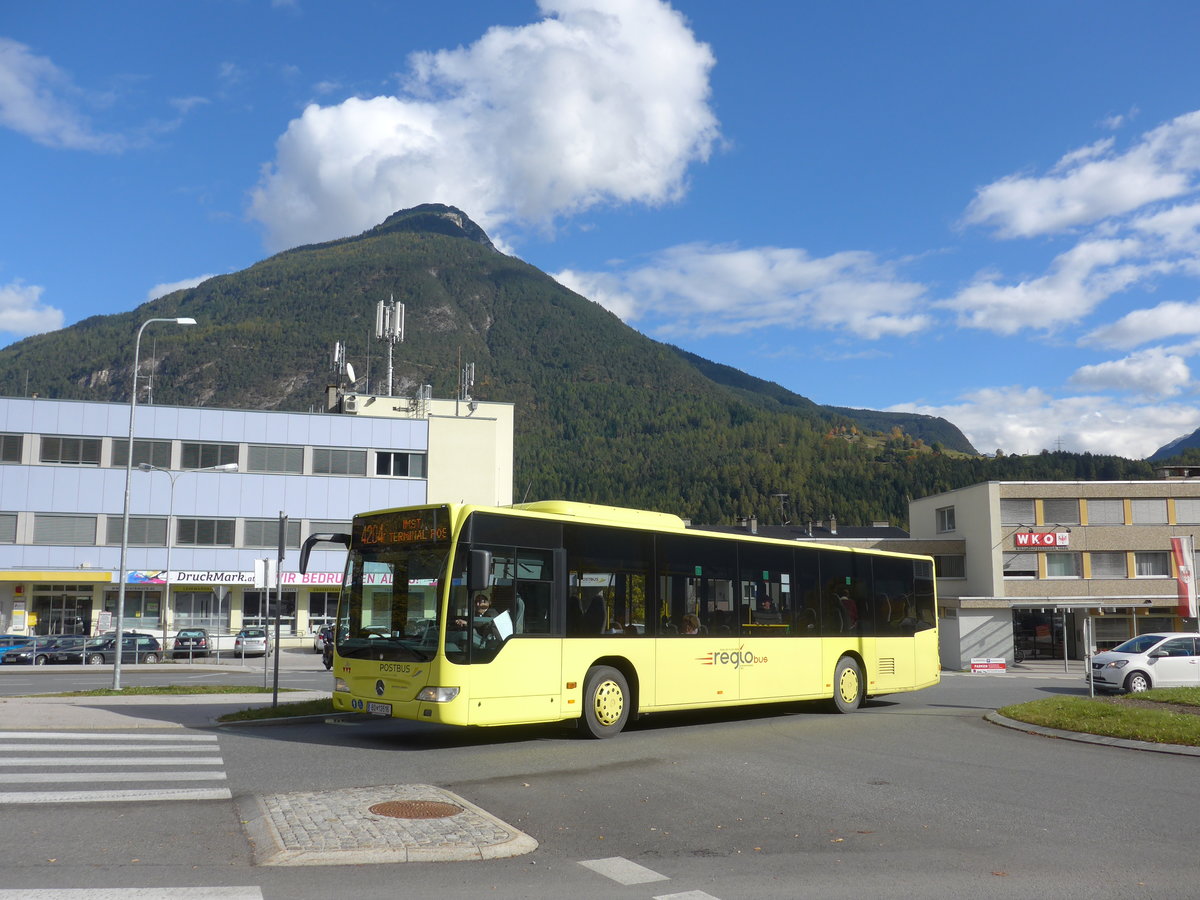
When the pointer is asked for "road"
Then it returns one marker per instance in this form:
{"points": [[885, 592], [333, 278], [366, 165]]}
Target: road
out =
{"points": [[915, 794]]}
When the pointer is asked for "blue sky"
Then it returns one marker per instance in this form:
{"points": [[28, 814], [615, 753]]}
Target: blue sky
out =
{"points": [[987, 211]]}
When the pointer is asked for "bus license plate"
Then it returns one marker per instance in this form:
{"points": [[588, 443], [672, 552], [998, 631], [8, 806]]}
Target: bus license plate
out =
{"points": [[379, 709]]}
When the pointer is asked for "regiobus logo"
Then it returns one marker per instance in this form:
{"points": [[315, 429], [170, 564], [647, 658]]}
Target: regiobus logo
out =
{"points": [[738, 659]]}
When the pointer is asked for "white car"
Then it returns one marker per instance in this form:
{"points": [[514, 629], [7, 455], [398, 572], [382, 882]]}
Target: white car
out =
{"points": [[1166, 659]]}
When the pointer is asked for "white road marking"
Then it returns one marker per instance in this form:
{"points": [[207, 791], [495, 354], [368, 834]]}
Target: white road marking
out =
{"points": [[622, 870]]}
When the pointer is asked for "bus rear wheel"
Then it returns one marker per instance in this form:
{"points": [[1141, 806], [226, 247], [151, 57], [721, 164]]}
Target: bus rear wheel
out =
{"points": [[606, 703], [848, 685]]}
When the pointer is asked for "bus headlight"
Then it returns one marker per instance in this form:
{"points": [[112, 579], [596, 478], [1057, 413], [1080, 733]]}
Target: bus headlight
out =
{"points": [[437, 694], [339, 684]]}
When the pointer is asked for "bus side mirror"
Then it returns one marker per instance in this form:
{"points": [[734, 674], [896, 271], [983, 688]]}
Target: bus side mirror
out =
{"points": [[479, 574], [314, 539]]}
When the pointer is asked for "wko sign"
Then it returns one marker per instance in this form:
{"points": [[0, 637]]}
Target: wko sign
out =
{"points": [[1042, 538]]}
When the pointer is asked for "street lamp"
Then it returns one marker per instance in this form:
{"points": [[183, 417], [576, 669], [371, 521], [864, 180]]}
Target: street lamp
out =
{"points": [[137, 347], [146, 467]]}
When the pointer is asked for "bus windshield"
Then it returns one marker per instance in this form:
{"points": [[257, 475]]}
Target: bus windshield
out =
{"points": [[389, 607]]}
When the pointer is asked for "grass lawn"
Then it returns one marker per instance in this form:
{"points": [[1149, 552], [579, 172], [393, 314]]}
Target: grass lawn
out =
{"points": [[1162, 716]]}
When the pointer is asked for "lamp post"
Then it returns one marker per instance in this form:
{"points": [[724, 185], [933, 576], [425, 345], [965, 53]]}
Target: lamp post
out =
{"points": [[146, 467], [137, 347]]}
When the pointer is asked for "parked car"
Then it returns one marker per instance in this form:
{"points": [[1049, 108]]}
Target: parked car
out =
{"points": [[191, 642], [11, 641], [38, 651], [321, 637], [252, 641], [1166, 659], [135, 648]]}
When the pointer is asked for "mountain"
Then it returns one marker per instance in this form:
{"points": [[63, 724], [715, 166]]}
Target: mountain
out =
{"points": [[603, 413], [1177, 447]]}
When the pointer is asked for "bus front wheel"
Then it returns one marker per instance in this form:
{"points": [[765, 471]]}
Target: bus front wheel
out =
{"points": [[848, 685], [606, 702]]}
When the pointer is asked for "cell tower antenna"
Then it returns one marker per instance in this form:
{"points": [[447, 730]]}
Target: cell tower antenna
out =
{"points": [[389, 328]]}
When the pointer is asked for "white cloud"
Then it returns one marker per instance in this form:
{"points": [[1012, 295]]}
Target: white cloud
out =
{"points": [[1142, 326], [38, 100], [161, 290], [23, 313], [700, 289], [602, 101], [1078, 281], [1152, 373], [1093, 183], [1027, 420]]}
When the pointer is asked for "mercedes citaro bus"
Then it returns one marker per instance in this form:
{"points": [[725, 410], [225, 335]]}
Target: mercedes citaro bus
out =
{"points": [[552, 611]]}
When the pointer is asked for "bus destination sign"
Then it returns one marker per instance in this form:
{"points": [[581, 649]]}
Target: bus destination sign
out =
{"points": [[420, 526]]}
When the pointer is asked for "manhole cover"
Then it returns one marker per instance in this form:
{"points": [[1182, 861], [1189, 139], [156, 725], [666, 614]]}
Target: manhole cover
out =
{"points": [[415, 809]]}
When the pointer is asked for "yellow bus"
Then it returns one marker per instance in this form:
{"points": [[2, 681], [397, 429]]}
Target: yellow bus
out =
{"points": [[552, 611]]}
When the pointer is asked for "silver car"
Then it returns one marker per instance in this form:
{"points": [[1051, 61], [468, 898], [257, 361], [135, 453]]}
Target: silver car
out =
{"points": [[252, 642], [1166, 659]]}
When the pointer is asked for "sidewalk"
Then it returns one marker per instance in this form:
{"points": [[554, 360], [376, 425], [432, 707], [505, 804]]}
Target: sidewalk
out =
{"points": [[156, 711]]}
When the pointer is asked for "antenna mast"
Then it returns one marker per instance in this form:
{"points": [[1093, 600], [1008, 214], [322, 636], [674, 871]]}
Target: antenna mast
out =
{"points": [[389, 328]]}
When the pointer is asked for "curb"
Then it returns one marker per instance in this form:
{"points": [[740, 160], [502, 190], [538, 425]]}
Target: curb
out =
{"points": [[1123, 743]]}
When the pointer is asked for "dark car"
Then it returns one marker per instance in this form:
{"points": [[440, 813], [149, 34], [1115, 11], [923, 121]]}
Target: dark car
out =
{"points": [[191, 642], [38, 651], [135, 648]]}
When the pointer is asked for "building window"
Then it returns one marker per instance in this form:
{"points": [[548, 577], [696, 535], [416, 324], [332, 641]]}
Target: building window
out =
{"points": [[1109, 565], [1187, 510], [154, 453], [144, 531], [205, 456], [1106, 512], [334, 461], [315, 527], [1016, 512], [10, 448], [412, 465], [945, 519], [1149, 512], [275, 459], [260, 606], [8, 528], [64, 451], [200, 609], [950, 566], [265, 533], [1152, 564], [322, 609], [204, 532], [1061, 564], [1060, 512], [1020, 565], [75, 530], [141, 610]]}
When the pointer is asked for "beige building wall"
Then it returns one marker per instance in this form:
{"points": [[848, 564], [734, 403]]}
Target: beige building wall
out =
{"points": [[470, 457]]}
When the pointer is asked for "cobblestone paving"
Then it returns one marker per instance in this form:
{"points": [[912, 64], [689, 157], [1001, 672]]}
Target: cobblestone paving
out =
{"points": [[337, 827]]}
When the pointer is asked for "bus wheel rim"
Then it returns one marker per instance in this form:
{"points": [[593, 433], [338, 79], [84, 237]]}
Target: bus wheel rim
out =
{"points": [[848, 685], [609, 703]]}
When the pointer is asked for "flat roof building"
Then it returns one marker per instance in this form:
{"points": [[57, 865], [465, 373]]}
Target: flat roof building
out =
{"points": [[62, 484]]}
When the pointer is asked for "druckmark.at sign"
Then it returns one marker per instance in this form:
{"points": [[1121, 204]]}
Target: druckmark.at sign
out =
{"points": [[178, 577]]}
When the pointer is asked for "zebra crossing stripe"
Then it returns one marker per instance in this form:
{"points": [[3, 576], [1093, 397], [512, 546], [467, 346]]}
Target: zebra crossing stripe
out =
{"points": [[92, 735], [64, 777], [108, 761], [252, 892], [26, 798]]}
